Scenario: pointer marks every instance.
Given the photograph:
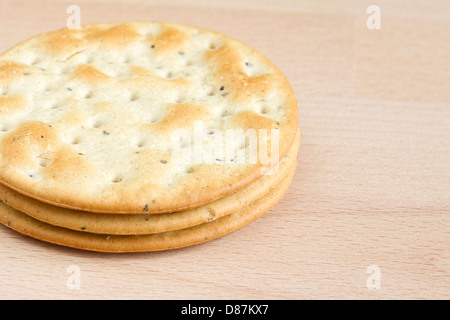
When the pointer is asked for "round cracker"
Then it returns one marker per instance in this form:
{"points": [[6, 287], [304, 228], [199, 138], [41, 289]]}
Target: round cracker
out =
{"points": [[88, 115], [29, 226], [134, 224]]}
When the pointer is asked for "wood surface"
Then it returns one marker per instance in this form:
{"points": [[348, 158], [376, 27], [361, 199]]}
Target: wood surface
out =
{"points": [[368, 214]]}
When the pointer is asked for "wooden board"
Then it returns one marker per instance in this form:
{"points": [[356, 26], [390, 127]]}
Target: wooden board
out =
{"points": [[368, 214]]}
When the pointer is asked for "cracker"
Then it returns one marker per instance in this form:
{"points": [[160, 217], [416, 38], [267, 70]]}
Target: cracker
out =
{"points": [[148, 223], [29, 226], [87, 115]]}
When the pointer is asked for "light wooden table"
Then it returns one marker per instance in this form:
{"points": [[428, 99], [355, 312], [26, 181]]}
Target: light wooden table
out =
{"points": [[368, 215]]}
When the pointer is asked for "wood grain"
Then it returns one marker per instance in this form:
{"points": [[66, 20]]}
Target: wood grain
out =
{"points": [[373, 183]]}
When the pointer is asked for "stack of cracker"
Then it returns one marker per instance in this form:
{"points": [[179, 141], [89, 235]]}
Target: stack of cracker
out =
{"points": [[141, 136]]}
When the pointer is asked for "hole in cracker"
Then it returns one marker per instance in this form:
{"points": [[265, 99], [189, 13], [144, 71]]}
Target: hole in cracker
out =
{"points": [[225, 113], [252, 69], [180, 99], [190, 170], [89, 95], [184, 143], [66, 70], [75, 140], [134, 96], [210, 215], [97, 124], [264, 110], [127, 59], [2, 91], [43, 162], [117, 179], [4, 128], [36, 61], [215, 44], [154, 119], [149, 34], [195, 33], [141, 143]]}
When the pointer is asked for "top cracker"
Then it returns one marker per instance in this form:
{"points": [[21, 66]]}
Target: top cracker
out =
{"points": [[90, 118]]}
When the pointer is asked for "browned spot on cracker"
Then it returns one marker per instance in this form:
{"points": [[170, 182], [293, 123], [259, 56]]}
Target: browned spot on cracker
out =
{"points": [[251, 120], [10, 71], [143, 78], [67, 165], [63, 43], [229, 73], [179, 116], [25, 145], [116, 36], [103, 106], [170, 39], [12, 103], [77, 116], [260, 127], [90, 74]]}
